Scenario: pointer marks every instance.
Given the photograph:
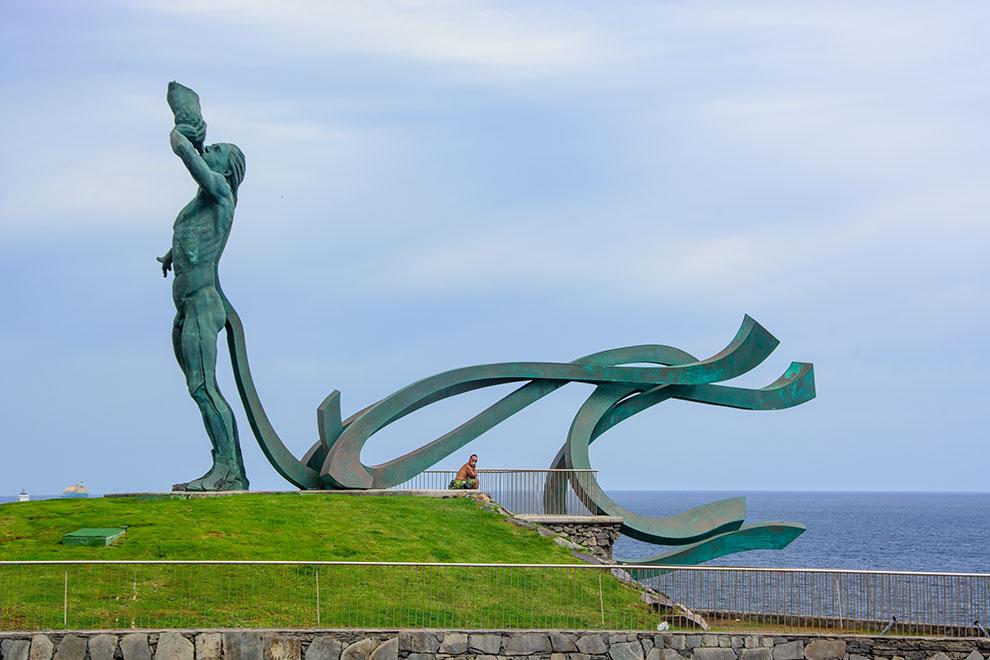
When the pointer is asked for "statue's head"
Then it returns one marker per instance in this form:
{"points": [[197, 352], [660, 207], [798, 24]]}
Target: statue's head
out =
{"points": [[228, 160]]}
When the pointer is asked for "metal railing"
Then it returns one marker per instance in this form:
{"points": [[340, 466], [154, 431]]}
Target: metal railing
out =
{"points": [[895, 602], [522, 491], [264, 594], [100, 595]]}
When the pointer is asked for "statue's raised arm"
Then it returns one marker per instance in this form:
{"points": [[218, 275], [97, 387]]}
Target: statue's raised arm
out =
{"points": [[187, 139]]}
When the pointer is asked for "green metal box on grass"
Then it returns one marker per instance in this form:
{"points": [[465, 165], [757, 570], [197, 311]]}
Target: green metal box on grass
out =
{"points": [[99, 536]]}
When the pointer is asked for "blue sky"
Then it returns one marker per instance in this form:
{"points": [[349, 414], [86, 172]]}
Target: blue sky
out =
{"points": [[434, 184]]}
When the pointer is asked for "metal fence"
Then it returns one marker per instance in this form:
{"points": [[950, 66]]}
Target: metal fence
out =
{"points": [[257, 594], [522, 491], [895, 602]]}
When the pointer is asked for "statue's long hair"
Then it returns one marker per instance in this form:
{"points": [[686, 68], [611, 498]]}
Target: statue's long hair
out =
{"points": [[236, 168]]}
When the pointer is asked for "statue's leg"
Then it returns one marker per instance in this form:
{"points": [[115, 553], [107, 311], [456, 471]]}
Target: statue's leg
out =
{"points": [[177, 348], [203, 318], [177, 339]]}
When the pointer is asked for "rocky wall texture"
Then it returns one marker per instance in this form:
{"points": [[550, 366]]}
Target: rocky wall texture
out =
{"points": [[593, 535], [598, 538], [476, 645]]}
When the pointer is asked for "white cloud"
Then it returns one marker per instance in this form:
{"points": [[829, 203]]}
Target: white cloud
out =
{"points": [[519, 41], [112, 165], [920, 237]]}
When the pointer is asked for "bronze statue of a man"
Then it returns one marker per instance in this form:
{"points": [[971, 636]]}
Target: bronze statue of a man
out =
{"points": [[199, 235]]}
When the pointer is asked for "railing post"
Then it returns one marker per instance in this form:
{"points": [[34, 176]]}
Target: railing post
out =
{"points": [[134, 597], [838, 589], [65, 600], [317, 598], [601, 599]]}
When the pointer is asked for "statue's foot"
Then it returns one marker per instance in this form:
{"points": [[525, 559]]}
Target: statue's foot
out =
{"points": [[220, 477]]}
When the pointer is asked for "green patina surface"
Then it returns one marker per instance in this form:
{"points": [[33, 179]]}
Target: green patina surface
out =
{"points": [[709, 531], [199, 236], [334, 462], [93, 536]]}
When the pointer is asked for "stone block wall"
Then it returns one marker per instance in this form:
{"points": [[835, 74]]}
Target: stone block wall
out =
{"points": [[594, 534], [597, 538], [202, 645], [476, 645]]}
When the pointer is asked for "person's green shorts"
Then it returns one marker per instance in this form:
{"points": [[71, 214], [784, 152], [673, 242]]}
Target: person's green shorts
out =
{"points": [[463, 484]]}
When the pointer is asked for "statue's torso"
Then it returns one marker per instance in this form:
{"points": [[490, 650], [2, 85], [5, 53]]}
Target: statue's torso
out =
{"points": [[199, 235]]}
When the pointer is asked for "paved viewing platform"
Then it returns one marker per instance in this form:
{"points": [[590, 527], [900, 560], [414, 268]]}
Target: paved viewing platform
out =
{"points": [[549, 519]]}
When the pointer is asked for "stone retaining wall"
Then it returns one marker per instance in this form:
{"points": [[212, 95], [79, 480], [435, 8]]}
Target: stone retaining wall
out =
{"points": [[596, 534], [477, 645]]}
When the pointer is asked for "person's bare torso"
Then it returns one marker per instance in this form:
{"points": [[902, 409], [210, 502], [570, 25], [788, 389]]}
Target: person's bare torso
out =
{"points": [[467, 471], [199, 235]]}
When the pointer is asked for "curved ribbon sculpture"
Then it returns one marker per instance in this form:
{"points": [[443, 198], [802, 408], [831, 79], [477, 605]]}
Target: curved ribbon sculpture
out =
{"points": [[708, 531]]}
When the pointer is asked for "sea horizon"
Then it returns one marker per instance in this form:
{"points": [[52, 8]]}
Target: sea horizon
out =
{"points": [[940, 531]]}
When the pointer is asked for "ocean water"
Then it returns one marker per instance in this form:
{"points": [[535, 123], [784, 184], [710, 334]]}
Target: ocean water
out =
{"points": [[34, 498], [13, 498], [942, 532]]}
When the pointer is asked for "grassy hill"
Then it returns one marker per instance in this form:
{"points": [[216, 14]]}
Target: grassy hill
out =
{"points": [[298, 528], [275, 527]]}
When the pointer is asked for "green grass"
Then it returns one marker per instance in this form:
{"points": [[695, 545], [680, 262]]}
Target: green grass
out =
{"points": [[300, 528], [280, 527]]}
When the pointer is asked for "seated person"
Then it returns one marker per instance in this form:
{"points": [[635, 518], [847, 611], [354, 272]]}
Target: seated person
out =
{"points": [[467, 476]]}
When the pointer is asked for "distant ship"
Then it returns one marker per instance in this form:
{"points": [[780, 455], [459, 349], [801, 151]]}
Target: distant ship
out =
{"points": [[23, 496], [75, 490]]}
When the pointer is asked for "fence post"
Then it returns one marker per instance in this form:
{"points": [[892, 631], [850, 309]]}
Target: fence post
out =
{"points": [[842, 614], [65, 600], [601, 599], [317, 597], [134, 598]]}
